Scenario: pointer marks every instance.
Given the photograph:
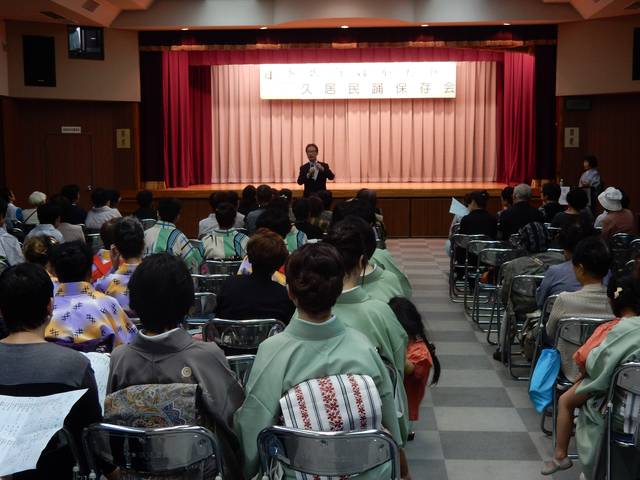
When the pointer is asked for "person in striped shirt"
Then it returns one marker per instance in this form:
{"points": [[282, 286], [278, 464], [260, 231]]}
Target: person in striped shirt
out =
{"points": [[164, 236], [225, 242]]}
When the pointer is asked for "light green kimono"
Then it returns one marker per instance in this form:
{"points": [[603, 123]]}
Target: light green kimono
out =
{"points": [[302, 352], [621, 344], [376, 320], [382, 285], [383, 258]]}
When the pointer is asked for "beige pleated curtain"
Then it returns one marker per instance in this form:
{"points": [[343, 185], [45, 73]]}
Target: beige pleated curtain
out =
{"points": [[417, 140]]}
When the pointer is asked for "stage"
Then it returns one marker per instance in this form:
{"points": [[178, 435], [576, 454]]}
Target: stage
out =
{"points": [[418, 209]]}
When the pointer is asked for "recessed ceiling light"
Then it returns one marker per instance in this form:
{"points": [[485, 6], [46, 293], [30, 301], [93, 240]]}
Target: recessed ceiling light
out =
{"points": [[184, 29], [263, 28], [506, 24], [424, 25], [344, 26]]}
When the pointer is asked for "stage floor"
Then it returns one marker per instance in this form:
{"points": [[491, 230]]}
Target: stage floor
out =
{"points": [[347, 190]]}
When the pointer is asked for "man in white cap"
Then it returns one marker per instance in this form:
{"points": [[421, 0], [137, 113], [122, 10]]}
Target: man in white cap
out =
{"points": [[618, 219]]}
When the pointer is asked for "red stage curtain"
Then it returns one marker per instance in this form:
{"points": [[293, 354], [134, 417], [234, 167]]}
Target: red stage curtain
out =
{"points": [[518, 159], [200, 100], [376, 140]]}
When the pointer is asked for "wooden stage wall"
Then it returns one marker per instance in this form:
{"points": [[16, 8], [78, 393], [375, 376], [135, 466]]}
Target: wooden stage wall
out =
{"points": [[410, 209]]}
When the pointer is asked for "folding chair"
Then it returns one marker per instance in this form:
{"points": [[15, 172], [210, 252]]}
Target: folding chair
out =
{"points": [[542, 323], [183, 452], [459, 242], [209, 282], [240, 336], [625, 383], [525, 286], [241, 365], [475, 268], [635, 248], [203, 310], [620, 246], [94, 241], [226, 267], [574, 331], [334, 454], [489, 258]]}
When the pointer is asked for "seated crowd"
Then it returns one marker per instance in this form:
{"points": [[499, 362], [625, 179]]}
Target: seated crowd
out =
{"points": [[126, 288]]}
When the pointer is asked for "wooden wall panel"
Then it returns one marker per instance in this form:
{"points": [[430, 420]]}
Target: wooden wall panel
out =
{"points": [[610, 131], [397, 216], [32, 121]]}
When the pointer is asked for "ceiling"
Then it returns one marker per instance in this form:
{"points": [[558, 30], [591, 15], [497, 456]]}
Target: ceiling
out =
{"points": [[208, 14]]}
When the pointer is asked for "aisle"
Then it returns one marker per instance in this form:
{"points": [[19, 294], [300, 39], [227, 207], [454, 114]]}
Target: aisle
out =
{"points": [[477, 423]]}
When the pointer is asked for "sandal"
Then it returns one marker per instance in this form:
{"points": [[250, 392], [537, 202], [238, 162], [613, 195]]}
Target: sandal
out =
{"points": [[552, 466]]}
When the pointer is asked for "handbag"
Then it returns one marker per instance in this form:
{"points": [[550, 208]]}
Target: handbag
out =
{"points": [[543, 380]]}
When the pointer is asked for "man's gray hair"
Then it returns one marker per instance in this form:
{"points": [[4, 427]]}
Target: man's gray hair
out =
{"points": [[522, 193]]}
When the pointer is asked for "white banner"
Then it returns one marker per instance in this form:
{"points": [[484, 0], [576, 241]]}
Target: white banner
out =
{"points": [[301, 81]]}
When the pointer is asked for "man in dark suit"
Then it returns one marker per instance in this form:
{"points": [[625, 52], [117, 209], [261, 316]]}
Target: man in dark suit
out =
{"points": [[520, 213], [314, 175]]}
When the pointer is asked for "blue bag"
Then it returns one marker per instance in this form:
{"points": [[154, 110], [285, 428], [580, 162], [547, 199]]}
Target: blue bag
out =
{"points": [[544, 377]]}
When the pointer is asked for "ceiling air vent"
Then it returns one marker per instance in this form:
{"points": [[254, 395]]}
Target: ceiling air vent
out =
{"points": [[90, 6], [633, 6], [53, 15]]}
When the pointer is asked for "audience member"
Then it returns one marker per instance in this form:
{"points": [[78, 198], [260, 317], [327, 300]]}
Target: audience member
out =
{"points": [[209, 224], [225, 242], [316, 209], [102, 264], [82, 317], [371, 197], [294, 238], [327, 201], [101, 211], [520, 213], [126, 255], [9, 246], [478, 221], [30, 366], [78, 214], [114, 199], [550, 206], [301, 214], [358, 310], [248, 201], [562, 277], [49, 216], [287, 194], [591, 260], [576, 212], [145, 211], [421, 354], [14, 214], [165, 237], [611, 343], [38, 250], [263, 195], [268, 299], [618, 219], [315, 344], [69, 231], [506, 201], [161, 293], [30, 215]]}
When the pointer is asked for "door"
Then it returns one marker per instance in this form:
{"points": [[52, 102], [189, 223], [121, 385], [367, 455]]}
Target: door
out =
{"points": [[69, 159]]}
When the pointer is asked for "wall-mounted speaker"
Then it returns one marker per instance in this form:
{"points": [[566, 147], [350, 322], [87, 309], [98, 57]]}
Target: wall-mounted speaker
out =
{"points": [[39, 60]]}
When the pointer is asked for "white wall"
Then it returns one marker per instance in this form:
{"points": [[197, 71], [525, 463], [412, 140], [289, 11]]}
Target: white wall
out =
{"points": [[4, 67], [595, 57], [117, 77]]}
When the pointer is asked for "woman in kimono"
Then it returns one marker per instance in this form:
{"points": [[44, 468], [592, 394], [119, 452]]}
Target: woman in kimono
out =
{"points": [[590, 178], [597, 359], [316, 344], [370, 316]]}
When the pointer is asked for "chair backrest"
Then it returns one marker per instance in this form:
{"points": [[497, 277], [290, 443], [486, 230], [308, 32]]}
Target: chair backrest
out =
{"points": [[203, 309], [181, 452], [620, 241], [461, 240], [94, 241], [210, 282], [476, 246], [625, 386], [147, 223], [526, 285], [547, 307], [635, 247], [241, 365], [334, 454], [226, 267], [577, 330], [243, 335], [553, 231], [455, 228], [495, 257]]}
